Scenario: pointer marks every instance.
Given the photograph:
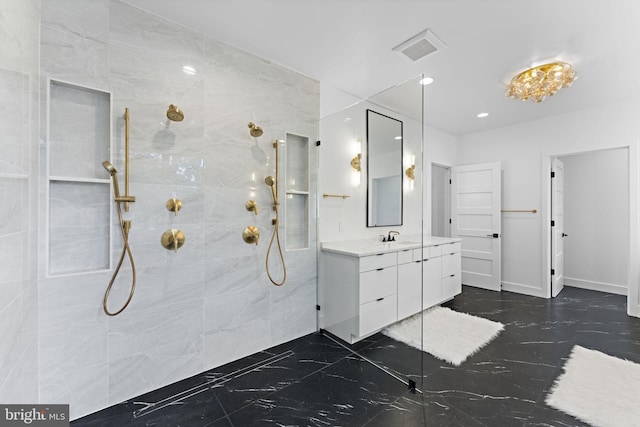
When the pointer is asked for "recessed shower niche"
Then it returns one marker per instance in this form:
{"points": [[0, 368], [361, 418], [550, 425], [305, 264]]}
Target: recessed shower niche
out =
{"points": [[78, 190], [297, 192]]}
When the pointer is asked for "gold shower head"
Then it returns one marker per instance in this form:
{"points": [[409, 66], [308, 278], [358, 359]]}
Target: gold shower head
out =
{"points": [[174, 114], [269, 181], [255, 130]]}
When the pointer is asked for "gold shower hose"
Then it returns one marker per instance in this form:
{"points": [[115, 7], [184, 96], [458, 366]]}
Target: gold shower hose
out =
{"points": [[126, 250], [275, 235]]}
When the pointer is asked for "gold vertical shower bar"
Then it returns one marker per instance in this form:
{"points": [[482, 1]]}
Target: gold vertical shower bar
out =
{"points": [[275, 145], [126, 158]]}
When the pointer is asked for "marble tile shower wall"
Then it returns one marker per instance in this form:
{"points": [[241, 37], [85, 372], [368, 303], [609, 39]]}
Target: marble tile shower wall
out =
{"points": [[19, 68], [210, 302]]}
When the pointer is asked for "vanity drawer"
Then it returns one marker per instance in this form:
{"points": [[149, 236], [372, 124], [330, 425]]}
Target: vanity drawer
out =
{"points": [[427, 252], [373, 262], [378, 283], [450, 248], [405, 256], [377, 314], [451, 264], [451, 286]]}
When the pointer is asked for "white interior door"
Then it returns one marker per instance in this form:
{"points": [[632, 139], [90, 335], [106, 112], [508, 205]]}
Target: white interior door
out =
{"points": [[557, 226], [475, 217]]}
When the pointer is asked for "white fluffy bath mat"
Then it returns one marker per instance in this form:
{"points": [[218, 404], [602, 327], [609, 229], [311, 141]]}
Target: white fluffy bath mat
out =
{"points": [[598, 389], [448, 335]]}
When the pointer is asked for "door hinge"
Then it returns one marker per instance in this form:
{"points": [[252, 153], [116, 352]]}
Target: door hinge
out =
{"points": [[449, 181], [553, 272], [317, 143], [317, 307], [553, 223], [553, 174], [449, 220]]}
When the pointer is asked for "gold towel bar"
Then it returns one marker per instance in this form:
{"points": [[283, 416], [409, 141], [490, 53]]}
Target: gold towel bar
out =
{"points": [[526, 211], [344, 196]]}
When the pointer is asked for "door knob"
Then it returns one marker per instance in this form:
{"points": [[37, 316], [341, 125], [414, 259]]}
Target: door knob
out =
{"points": [[494, 235]]}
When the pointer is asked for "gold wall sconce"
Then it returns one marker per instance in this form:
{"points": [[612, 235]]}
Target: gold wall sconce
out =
{"points": [[251, 234], [411, 172], [356, 162], [174, 205], [172, 239]]}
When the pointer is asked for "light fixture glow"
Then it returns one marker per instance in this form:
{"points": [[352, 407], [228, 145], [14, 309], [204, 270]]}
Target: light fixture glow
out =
{"points": [[539, 82], [188, 69], [426, 81], [482, 115], [397, 138]]}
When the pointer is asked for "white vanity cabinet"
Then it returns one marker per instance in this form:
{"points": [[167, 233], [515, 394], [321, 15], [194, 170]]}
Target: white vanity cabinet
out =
{"points": [[360, 293], [364, 289], [409, 284], [451, 271]]}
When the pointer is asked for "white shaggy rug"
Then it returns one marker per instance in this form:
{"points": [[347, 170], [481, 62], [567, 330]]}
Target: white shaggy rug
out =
{"points": [[448, 335], [598, 389]]}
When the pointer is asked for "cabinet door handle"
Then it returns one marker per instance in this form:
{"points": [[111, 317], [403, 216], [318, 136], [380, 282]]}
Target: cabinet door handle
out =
{"points": [[426, 259], [379, 254], [379, 299], [418, 261], [379, 269], [453, 275]]}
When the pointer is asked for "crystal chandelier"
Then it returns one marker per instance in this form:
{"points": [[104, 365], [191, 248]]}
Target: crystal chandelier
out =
{"points": [[539, 82]]}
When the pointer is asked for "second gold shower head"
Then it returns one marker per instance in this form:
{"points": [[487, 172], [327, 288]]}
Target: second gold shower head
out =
{"points": [[255, 130], [174, 113]]}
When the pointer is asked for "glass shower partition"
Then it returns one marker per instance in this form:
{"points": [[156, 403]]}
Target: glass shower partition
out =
{"points": [[372, 272]]}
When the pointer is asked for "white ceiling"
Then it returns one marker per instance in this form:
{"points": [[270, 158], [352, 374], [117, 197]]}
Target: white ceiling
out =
{"points": [[348, 44]]}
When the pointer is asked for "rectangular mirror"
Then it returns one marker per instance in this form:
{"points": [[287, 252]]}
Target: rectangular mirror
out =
{"points": [[384, 170]]}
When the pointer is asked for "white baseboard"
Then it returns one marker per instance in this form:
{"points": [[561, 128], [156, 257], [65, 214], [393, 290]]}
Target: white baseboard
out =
{"points": [[523, 289], [595, 286]]}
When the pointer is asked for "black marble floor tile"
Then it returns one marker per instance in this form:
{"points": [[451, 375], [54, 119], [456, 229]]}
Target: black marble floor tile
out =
{"points": [[314, 381]]}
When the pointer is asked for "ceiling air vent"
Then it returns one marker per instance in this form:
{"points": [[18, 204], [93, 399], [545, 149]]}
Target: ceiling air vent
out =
{"points": [[420, 46]]}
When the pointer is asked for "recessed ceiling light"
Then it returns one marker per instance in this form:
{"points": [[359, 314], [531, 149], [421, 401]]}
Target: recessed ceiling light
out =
{"points": [[426, 81], [188, 69], [481, 115]]}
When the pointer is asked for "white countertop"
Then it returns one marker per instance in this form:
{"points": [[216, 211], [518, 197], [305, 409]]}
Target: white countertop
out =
{"points": [[365, 247]]}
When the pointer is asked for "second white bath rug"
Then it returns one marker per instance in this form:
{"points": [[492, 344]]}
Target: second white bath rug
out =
{"points": [[598, 389]]}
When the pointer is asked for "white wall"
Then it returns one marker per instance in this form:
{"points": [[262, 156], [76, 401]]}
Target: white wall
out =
{"points": [[19, 72], [596, 202], [524, 151]]}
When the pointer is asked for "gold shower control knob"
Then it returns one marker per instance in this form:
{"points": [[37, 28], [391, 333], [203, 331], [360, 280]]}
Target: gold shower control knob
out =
{"points": [[252, 206], [251, 234], [172, 239], [174, 205]]}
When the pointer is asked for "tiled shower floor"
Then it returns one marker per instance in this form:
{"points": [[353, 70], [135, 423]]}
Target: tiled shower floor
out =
{"points": [[312, 381]]}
